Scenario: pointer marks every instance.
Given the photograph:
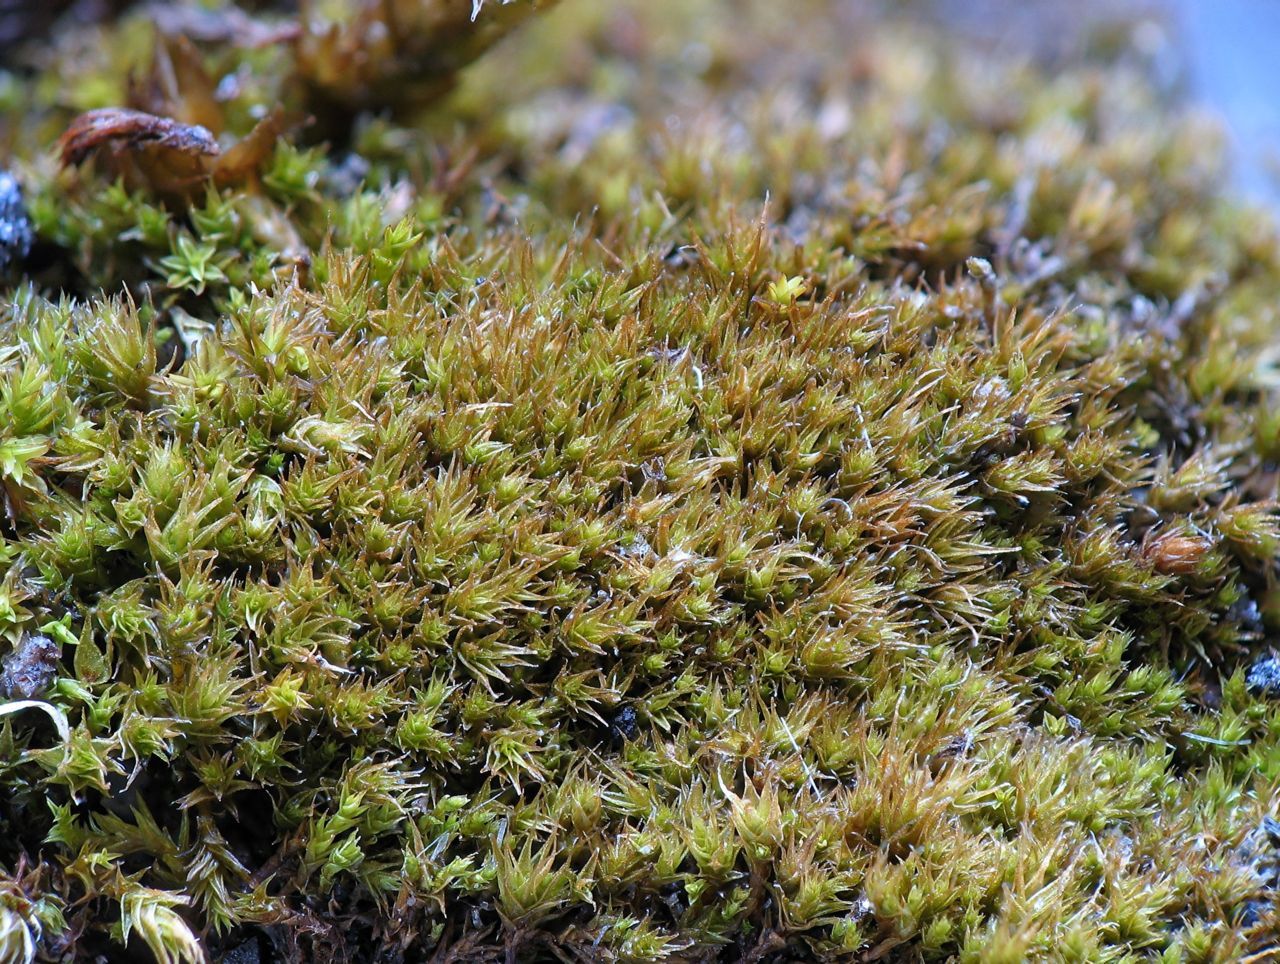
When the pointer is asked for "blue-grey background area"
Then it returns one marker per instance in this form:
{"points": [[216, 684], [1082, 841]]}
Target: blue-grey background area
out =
{"points": [[1220, 55], [1233, 65]]}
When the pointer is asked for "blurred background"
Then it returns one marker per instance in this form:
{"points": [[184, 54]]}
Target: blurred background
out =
{"points": [[1234, 51], [1219, 55], [1222, 56]]}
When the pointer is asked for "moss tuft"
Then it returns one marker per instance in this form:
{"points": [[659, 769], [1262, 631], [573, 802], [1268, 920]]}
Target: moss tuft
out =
{"points": [[733, 482]]}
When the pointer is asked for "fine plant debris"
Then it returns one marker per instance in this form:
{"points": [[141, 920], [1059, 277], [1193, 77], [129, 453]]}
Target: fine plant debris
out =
{"points": [[658, 480]]}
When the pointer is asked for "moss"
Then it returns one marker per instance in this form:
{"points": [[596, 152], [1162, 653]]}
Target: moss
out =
{"points": [[801, 492]]}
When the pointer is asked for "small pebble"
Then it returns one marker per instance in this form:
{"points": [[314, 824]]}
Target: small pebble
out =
{"points": [[30, 669], [16, 234], [623, 727], [248, 952], [1264, 676]]}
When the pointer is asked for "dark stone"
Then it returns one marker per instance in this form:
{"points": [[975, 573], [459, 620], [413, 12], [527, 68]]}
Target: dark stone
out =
{"points": [[675, 897], [16, 234], [30, 669], [1245, 612], [623, 727], [251, 945], [1253, 911], [1264, 676], [247, 953]]}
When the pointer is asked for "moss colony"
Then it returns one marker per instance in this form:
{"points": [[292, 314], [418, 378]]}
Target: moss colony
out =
{"points": [[729, 481]]}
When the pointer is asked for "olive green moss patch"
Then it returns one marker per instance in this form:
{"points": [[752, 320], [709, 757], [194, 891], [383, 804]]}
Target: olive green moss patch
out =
{"points": [[734, 482]]}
